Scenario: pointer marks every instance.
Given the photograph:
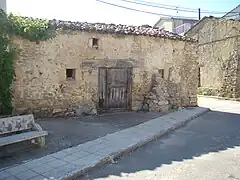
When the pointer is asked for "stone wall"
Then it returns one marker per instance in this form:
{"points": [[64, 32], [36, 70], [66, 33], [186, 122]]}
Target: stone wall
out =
{"points": [[236, 55], [41, 86], [218, 56]]}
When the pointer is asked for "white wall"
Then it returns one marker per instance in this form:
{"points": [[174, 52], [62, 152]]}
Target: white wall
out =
{"points": [[168, 26], [3, 5]]}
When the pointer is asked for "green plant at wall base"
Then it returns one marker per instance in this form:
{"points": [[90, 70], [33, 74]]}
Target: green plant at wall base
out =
{"points": [[33, 30]]}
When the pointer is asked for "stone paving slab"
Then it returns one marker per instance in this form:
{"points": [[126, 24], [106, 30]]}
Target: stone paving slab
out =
{"points": [[72, 162]]}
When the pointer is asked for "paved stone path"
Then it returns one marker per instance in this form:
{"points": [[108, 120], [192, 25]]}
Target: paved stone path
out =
{"points": [[74, 161], [207, 148]]}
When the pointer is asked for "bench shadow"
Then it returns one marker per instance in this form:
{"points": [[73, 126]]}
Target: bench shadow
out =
{"points": [[213, 132]]}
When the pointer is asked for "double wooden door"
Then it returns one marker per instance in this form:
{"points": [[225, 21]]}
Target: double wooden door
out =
{"points": [[115, 88]]}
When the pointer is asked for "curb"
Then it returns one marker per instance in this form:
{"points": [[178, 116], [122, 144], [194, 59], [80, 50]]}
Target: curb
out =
{"points": [[74, 175]]}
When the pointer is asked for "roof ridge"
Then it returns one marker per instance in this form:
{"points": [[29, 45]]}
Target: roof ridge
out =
{"points": [[145, 30]]}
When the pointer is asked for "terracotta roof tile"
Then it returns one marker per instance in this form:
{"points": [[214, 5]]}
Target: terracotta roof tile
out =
{"points": [[118, 29]]}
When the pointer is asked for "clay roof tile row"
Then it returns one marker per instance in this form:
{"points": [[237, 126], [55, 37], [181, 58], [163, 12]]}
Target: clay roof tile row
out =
{"points": [[144, 30]]}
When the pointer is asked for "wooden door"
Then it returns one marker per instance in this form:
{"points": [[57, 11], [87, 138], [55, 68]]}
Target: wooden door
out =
{"points": [[115, 88]]}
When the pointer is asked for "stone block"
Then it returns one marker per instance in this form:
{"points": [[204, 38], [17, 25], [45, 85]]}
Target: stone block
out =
{"points": [[26, 175], [16, 169], [11, 178], [56, 163], [89, 161], [60, 154], [85, 109], [42, 168], [21, 110], [68, 168], [4, 174], [81, 153], [55, 174], [164, 108], [39, 177], [162, 103], [70, 158], [56, 111], [93, 111]]}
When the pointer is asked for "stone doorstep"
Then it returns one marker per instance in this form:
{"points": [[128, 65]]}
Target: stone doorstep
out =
{"points": [[95, 159]]}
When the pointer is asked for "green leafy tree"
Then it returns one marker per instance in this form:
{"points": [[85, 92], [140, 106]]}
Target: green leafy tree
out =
{"points": [[6, 64], [29, 28]]}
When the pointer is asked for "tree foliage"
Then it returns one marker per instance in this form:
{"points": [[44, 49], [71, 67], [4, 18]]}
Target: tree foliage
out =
{"points": [[33, 30]]}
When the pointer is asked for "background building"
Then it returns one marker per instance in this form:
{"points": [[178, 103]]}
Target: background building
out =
{"points": [[233, 14], [219, 55], [3, 5], [175, 25]]}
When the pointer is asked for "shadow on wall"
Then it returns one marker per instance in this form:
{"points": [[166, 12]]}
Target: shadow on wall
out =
{"points": [[197, 139]]}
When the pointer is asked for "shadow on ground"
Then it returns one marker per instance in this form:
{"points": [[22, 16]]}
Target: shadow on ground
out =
{"points": [[212, 132], [69, 132]]}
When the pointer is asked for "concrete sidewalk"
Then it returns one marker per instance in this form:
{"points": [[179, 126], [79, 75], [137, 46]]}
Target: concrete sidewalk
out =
{"points": [[72, 162], [221, 105]]}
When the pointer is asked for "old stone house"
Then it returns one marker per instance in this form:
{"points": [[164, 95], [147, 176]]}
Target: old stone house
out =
{"points": [[88, 68], [219, 56]]}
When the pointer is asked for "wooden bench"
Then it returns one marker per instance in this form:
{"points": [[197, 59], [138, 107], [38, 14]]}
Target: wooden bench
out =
{"points": [[21, 128]]}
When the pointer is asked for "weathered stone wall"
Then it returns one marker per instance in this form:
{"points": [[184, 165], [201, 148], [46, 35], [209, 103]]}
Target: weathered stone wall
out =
{"points": [[237, 57], [218, 56], [41, 86]]}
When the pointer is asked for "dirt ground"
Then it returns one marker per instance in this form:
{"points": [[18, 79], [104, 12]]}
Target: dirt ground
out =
{"points": [[68, 132]]}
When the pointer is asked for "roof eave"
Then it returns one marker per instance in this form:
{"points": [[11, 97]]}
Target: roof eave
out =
{"points": [[161, 18], [195, 25], [231, 11]]}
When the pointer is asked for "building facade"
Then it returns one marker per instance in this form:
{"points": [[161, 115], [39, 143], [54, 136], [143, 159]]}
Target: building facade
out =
{"points": [[89, 68], [219, 56], [233, 14], [175, 25], [3, 5]]}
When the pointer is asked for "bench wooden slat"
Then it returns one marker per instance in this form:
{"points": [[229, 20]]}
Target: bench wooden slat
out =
{"points": [[21, 137], [16, 123]]}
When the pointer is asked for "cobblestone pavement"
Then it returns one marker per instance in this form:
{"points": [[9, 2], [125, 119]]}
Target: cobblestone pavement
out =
{"points": [[208, 148], [69, 132]]}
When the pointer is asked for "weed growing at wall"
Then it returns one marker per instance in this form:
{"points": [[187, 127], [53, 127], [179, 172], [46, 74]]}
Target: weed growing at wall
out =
{"points": [[33, 30]]}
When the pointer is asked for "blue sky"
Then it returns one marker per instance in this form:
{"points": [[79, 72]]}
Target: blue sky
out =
{"points": [[94, 11]]}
